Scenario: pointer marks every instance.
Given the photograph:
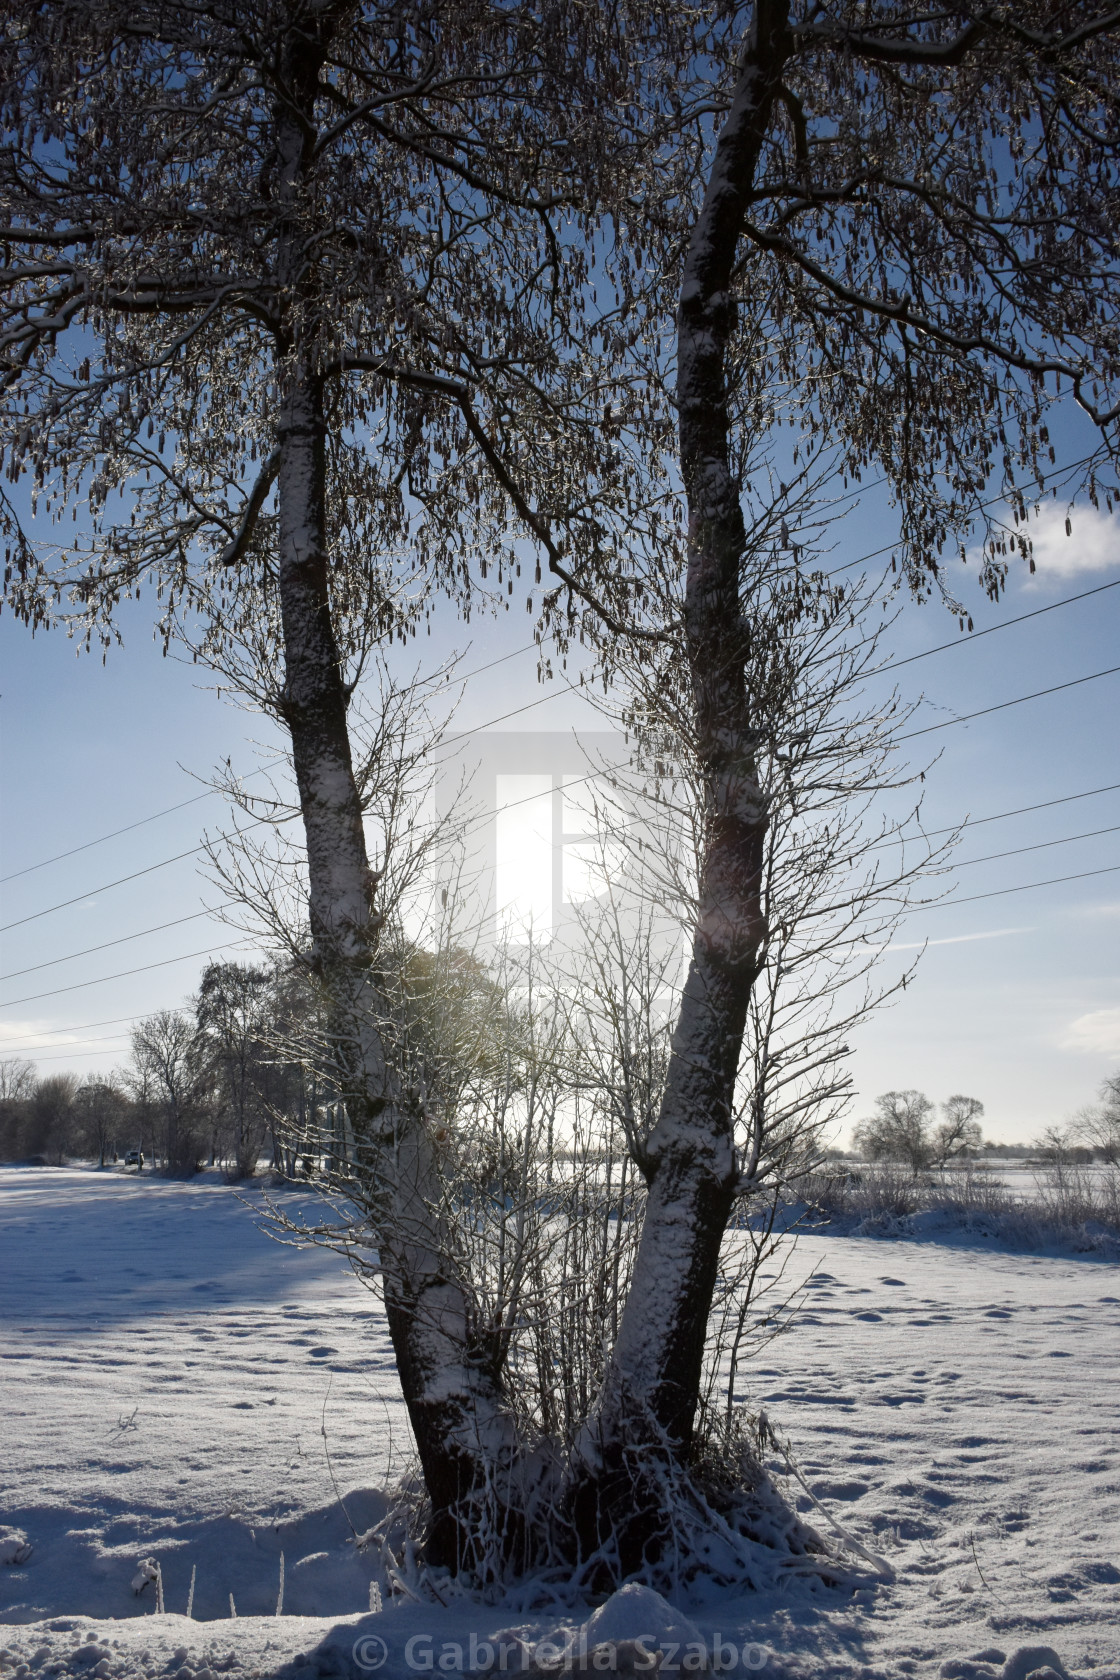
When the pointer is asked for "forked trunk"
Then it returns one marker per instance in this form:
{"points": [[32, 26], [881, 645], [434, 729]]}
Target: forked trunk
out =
{"points": [[651, 1390]]}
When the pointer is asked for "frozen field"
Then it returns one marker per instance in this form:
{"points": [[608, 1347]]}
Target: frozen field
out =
{"points": [[173, 1383]]}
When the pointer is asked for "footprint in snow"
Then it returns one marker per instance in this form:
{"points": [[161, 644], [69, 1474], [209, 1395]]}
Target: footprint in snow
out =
{"points": [[895, 1283]]}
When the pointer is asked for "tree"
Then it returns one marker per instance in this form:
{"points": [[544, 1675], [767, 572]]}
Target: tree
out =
{"points": [[899, 1130], [101, 1112], [50, 1118], [1099, 1126], [894, 206], [298, 278], [314, 284], [232, 1012], [169, 1063], [17, 1080], [959, 1133]]}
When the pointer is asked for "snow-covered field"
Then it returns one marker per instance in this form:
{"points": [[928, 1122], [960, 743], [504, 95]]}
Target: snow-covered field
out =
{"points": [[178, 1387]]}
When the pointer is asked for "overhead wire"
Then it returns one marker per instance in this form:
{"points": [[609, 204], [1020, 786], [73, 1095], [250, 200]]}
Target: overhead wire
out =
{"points": [[909, 735], [985, 711], [103, 979], [530, 647], [966, 863], [574, 687], [1038, 846], [73, 956], [942, 904], [1002, 892], [261, 822], [210, 793]]}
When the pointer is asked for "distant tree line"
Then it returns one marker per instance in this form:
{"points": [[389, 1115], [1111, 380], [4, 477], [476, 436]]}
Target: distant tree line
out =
{"points": [[215, 1083], [904, 1129]]}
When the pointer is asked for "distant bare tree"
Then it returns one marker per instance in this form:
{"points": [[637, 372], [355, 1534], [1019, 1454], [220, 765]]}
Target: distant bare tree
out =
{"points": [[1099, 1126], [959, 1134], [899, 1130], [51, 1117], [101, 1111], [232, 1012], [169, 1062], [17, 1081]]}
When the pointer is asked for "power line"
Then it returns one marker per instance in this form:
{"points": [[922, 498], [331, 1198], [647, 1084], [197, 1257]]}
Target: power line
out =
{"points": [[943, 904], [63, 1056], [87, 1026], [108, 885], [103, 978], [1021, 810], [210, 792], [90, 949], [975, 635], [568, 687], [1001, 892], [966, 863], [972, 822], [116, 833], [530, 647], [1039, 846], [110, 1038], [1038, 694], [1018, 851], [261, 822]]}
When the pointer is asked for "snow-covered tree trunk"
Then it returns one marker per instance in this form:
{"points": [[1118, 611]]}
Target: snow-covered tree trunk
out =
{"points": [[652, 1385], [464, 1432]]}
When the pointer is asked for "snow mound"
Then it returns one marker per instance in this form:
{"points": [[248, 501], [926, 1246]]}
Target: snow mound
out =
{"points": [[14, 1547], [1028, 1660], [635, 1612]]}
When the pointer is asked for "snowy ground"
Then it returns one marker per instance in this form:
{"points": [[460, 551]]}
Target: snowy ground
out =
{"points": [[168, 1375]]}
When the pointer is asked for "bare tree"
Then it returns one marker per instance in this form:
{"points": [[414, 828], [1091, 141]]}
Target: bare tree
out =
{"points": [[1099, 1126], [958, 1135], [101, 1112], [899, 1130], [295, 277], [17, 1080], [50, 1117], [232, 1015], [17, 1077], [170, 1063]]}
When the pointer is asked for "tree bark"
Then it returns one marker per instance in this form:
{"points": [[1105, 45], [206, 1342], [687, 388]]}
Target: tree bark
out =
{"points": [[652, 1386], [464, 1431]]}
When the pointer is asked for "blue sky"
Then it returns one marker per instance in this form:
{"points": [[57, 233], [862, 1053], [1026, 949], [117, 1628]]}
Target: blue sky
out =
{"points": [[1017, 999]]}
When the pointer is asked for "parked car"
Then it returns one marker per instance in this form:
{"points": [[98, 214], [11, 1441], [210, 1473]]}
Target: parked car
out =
{"points": [[134, 1158]]}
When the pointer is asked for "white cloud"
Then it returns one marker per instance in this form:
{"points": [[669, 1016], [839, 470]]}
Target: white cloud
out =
{"points": [[1097, 1033], [1092, 546], [958, 939], [19, 1032]]}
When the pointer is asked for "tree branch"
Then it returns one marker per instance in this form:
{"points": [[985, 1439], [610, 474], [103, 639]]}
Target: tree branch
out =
{"points": [[234, 551]]}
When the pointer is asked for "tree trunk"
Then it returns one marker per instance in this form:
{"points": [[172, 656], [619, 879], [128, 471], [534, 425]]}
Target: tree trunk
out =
{"points": [[652, 1386], [464, 1432]]}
